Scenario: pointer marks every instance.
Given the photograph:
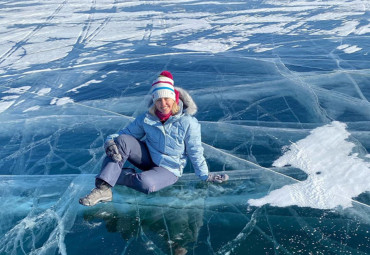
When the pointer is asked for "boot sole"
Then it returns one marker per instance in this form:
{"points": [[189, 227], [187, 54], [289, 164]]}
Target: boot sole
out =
{"points": [[103, 200]]}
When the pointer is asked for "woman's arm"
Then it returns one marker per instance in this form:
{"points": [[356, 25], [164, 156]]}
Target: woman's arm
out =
{"points": [[134, 129], [194, 149]]}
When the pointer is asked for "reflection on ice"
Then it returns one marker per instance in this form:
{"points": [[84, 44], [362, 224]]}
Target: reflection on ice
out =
{"points": [[186, 216]]}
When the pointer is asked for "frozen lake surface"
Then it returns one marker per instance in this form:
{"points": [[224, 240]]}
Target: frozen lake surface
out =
{"points": [[282, 89]]}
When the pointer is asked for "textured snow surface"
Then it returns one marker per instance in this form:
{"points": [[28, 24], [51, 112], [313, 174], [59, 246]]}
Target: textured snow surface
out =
{"points": [[334, 173]]}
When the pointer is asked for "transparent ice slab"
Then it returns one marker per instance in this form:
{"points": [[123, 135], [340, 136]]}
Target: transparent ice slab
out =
{"points": [[44, 217]]}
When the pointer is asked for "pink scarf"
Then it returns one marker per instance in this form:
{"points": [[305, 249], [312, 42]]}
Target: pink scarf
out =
{"points": [[163, 117]]}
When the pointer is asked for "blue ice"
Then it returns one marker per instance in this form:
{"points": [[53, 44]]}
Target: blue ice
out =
{"points": [[283, 97]]}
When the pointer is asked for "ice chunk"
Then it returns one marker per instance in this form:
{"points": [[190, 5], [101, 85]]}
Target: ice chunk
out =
{"points": [[335, 175]]}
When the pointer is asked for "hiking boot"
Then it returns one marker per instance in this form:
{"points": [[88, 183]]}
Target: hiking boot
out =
{"points": [[96, 196], [181, 251]]}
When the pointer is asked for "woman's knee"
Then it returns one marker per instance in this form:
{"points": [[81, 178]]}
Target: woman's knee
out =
{"points": [[155, 180], [146, 184], [123, 139], [124, 143]]}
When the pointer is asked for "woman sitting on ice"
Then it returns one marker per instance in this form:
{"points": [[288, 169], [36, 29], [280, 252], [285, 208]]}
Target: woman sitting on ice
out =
{"points": [[157, 142]]}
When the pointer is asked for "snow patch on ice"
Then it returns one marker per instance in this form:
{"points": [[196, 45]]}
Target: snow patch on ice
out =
{"points": [[4, 105], [20, 102], [348, 48], [363, 30], [33, 108], [19, 90], [86, 84], [44, 91], [7, 101], [347, 28], [61, 101], [259, 50], [208, 45], [335, 175], [8, 98]]}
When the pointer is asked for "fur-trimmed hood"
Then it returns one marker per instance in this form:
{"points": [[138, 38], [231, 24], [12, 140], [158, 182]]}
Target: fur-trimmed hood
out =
{"points": [[189, 105]]}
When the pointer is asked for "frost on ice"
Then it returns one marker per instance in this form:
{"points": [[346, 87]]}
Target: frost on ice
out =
{"points": [[335, 173]]}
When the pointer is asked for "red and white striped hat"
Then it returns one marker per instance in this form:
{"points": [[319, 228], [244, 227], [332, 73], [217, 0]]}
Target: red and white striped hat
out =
{"points": [[163, 86]]}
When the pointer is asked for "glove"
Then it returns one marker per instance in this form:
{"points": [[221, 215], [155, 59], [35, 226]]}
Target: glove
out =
{"points": [[217, 178], [112, 151]]}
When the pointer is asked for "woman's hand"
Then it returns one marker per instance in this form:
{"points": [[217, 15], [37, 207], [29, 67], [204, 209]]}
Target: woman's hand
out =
{"points": [[217, 178], [112, 151]]}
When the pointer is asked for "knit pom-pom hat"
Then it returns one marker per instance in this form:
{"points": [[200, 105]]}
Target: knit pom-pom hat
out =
{"points": [[163, 86]]}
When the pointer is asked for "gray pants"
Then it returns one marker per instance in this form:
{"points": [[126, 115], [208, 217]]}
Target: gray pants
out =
{"points": [[151, 179]]}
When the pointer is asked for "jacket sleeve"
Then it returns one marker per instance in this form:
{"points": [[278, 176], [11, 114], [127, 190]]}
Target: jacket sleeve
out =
{"points": [[134, 129], [194, 149]]}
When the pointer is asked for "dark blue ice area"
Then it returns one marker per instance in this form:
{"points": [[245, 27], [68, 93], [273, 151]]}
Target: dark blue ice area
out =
{"points": [[264, 75]]}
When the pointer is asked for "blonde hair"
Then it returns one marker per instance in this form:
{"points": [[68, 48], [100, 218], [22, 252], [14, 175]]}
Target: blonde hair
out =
{"points": [[175, 109]]}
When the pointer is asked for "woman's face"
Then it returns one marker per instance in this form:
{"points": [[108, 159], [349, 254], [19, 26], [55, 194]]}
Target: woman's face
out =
{"points": [[164, 105]]}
